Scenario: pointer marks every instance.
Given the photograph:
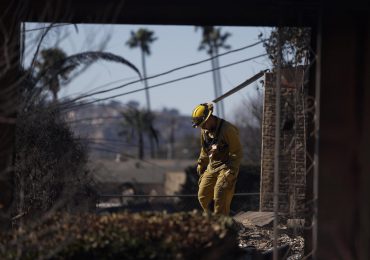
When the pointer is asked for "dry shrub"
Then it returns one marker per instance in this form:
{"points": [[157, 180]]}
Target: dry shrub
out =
{"points": [[126, 236], [50, 166]]}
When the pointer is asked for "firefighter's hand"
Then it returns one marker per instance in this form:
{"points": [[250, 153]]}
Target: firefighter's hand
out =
{"points": [[199, 169]]}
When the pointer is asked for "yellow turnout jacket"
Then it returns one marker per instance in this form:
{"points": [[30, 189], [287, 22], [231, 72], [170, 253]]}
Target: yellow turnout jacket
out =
{"points": [[221, 149]]}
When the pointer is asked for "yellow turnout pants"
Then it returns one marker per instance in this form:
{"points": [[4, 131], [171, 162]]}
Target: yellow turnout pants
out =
{"points": [[218, 186]]}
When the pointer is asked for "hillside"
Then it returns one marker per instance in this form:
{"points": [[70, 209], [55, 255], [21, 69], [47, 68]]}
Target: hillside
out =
{"points": [[99, 127]]}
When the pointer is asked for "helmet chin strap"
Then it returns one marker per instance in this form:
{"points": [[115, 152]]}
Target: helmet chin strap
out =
{"points": [[213, 125]]}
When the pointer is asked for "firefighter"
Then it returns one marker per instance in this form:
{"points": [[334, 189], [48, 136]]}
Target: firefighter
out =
{"points": [[219, 159]]}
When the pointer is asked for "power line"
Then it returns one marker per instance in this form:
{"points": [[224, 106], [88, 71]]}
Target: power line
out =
{"points": [[167, 82], [163, 73], [151, 77], [107, 84]]}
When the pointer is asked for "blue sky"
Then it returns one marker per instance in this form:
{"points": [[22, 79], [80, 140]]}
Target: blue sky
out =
{"points": [[176, 46]]}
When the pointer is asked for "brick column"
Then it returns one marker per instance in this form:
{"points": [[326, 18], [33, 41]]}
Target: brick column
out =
{"points": [[292, 144]]}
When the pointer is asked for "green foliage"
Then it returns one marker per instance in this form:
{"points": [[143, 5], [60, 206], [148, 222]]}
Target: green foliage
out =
{"points": [[125, 236], [294, 44]]}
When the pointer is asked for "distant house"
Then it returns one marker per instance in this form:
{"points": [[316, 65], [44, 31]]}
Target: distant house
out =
{"points": [[160, 177]]}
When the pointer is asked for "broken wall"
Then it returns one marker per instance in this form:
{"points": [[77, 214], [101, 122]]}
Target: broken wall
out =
{"points": [[292, 158]]}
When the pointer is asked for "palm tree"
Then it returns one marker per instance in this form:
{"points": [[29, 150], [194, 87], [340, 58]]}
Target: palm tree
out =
{"points": [[138, 123], [55, 67], [142, 38], [212, 41], [51, 80]]}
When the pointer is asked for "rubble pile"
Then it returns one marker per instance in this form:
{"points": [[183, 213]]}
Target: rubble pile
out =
{"points": [[258, 238]]}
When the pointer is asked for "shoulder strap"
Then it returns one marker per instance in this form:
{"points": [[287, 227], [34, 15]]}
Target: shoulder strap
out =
{"points": [[206, 142], [219, 129]]}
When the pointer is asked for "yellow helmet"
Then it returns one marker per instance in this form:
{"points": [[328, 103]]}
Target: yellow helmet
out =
{"points": [[201, 113]]}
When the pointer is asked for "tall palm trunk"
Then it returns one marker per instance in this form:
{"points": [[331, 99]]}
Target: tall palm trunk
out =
{"points": [[143, 62]]}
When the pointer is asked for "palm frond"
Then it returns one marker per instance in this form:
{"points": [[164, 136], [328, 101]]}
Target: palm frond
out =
{"points": [[92, 56], [71, 62], [65, 65]]}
